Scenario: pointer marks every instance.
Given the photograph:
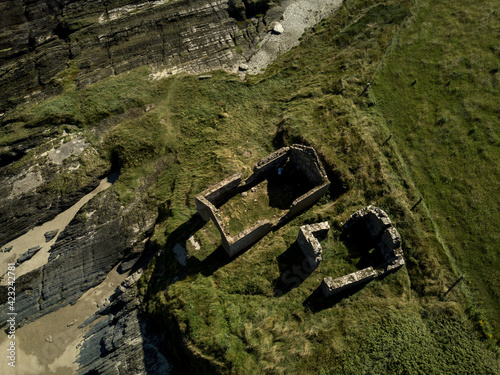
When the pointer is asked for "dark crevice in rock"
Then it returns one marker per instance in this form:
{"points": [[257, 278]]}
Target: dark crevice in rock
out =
{"points": [[17, 150], [25, 11], [11, 156], [246, 9], [41, 299], [62, 31]]}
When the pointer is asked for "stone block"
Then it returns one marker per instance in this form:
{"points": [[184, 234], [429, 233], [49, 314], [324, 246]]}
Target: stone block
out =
{"points": [[330, 286], [308, 240], [390, 243], [248, 237]]}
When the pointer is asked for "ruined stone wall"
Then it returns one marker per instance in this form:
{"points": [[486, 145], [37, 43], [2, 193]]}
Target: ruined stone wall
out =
{"points": [[307, 199], [204, 208], [220, 192], [330, 286], [219, 224], [271, 162], [248, 237], [308, 240], [375, 223], [213, 197], [373, 218], [306, 159], [390, 243]]}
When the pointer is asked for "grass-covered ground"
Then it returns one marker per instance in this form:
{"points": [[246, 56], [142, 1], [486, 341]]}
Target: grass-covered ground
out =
{"points": [[438, 90], [244, 210], [259, 312]]}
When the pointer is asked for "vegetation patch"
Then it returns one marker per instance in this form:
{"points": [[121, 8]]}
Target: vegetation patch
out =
{"points": [[438, 91], [259, 312]]}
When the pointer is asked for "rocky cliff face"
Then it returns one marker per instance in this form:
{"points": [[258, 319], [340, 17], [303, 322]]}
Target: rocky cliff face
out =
{"points": [[101, 235], [42, 185], [94, 39], [120, 342]]}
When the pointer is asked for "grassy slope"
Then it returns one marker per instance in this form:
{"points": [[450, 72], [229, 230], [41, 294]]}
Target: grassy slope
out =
{"points": [[255, 314], [439, 90]]}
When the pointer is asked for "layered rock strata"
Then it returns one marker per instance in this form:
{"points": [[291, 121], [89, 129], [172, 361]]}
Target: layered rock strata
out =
{"points": [[119, 341], [100, 236], [97, 39]]}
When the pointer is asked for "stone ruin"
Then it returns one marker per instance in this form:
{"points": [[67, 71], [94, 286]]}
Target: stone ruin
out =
{"points": [[301, 157], [374, 223], [308, 240]]}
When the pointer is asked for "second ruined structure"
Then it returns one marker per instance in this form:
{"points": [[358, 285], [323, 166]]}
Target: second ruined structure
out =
{"points": [[297, 157], [373, 223]]}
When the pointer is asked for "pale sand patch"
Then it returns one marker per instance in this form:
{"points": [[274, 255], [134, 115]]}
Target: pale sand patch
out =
{"points": [[34, 355], [297, 17], [35, 237]]}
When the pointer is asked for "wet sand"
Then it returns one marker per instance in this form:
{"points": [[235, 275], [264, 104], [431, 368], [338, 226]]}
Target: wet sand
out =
{"points": [[35, 237], [49, 345]]}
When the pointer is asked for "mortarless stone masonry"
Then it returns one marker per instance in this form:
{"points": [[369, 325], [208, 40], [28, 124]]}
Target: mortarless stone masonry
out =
{"points": [[373, 222], [303, 157], [308, 240]]}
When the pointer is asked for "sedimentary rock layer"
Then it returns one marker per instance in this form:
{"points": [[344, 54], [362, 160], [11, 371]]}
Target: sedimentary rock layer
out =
{"points": [[97, 39], [101, 235]]}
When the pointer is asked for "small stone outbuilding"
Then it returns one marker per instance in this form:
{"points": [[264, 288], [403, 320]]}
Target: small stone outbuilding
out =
{"points": [[374, 223]]}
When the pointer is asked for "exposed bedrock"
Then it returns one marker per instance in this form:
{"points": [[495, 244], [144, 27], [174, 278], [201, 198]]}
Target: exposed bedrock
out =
{"points": [[39, 39], [47, 183], [120, 342], [101, 235]]}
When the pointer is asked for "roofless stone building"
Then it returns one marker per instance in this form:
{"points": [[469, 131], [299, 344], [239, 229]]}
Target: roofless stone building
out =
{"points": [[374, 224], [303, 167]]}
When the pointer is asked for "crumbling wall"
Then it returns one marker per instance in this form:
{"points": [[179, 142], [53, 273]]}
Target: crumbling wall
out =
{"points": [[306, 159], [330, 286], [373, 218], [308, 240], [204, 207], [390, 243], [265, 165], [307, 200], [248, 237], [220, 192], [213, 214], [375, 223], [213, 197]]}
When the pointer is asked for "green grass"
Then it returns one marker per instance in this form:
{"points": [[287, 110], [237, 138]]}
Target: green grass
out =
{"points": [[258, 313], [438, 89], [241, 212], [252, 314]]}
